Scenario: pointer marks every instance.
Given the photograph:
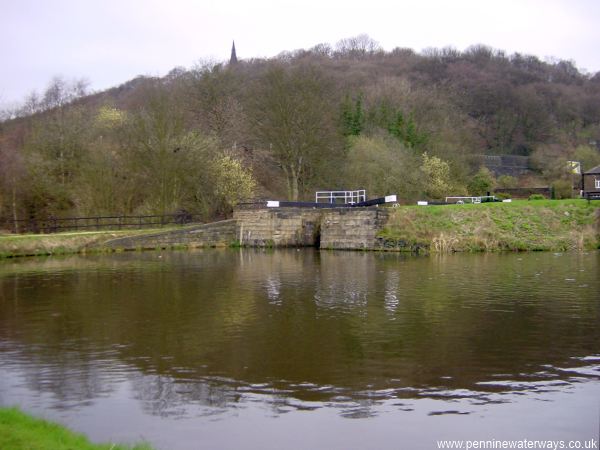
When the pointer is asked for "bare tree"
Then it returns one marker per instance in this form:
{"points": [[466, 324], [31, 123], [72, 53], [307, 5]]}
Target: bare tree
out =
{"points": [[357, 47], [293, 116], [11, 170], [60, 92], [213, 100]]}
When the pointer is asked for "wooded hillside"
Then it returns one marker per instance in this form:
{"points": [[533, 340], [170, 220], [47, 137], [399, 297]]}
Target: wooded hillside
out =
{"points": [[350, 116]]}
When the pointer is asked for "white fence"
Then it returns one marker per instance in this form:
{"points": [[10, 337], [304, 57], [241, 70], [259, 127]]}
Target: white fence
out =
{"points": [[344, 197]]}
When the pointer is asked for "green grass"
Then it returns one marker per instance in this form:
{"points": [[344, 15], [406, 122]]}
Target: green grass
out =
{"points": [[19, 431], [552, 225], [65, 243]]}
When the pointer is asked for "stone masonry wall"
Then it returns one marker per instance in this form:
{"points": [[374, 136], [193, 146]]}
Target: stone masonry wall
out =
{"points": [[278, 227], [335, 228], [216, 234], [352, 229]]}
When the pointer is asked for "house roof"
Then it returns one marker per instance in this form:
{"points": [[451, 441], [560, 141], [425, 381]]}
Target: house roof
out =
{"points": [[593, 171]]}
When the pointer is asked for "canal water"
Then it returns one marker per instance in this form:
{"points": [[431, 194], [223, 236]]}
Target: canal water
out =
{"points": [[301, 349]]}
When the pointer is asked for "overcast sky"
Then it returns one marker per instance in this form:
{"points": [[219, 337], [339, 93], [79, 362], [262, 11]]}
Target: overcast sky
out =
{"points": [[111, 41]]}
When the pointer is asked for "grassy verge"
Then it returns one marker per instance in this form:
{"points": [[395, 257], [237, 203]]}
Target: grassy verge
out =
{"points": [[19, 431], [64, 243], [553, 225]]}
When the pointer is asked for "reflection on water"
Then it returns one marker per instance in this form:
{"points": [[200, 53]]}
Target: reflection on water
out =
{"points": [[250, 337]]}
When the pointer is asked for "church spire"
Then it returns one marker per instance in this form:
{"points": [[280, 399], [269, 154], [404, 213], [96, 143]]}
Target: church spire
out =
{"points": [[233, 59]]}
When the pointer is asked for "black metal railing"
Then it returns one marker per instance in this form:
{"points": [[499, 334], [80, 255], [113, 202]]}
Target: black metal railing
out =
{"points": [[96, 223], [252, 204]]}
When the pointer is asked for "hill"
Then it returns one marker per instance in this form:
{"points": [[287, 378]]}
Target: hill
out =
{"points": [[349, 116]]}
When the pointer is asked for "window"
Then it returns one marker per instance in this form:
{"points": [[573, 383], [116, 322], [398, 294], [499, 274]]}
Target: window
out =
{"points": [[597, 180]]}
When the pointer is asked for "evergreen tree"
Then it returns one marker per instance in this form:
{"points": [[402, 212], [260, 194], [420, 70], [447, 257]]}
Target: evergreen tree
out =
{"points": [[353, 116]]}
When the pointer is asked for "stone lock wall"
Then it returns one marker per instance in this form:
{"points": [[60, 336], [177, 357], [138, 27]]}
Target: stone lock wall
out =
{"points": [[353, 228], [216, 234], [335, 228], [329, 228], [278, 227]]}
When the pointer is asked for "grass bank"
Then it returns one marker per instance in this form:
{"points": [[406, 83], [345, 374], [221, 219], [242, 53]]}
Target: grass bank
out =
{"points": [[19, 431], [65, 243], [551, 225]]}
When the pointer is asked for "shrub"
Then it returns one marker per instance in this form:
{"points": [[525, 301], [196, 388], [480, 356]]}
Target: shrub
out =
{"points": [[537, 197], [482, 182], [562, 189], [506, 181], [436, 176], [382, 167]]}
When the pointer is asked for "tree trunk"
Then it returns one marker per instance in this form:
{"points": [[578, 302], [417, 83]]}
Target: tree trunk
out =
{"points": [[294, 184], [288, 183], [14, 206], [295, 189]]}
